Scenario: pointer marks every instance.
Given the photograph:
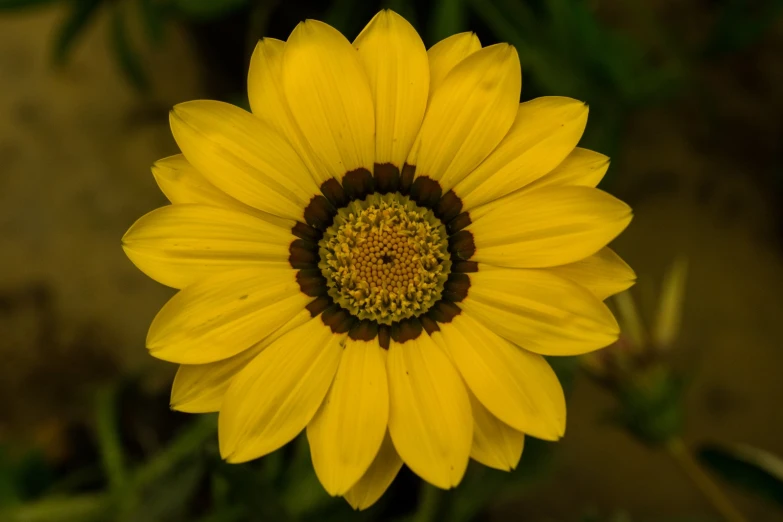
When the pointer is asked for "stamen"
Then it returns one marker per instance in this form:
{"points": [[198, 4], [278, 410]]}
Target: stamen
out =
{"points": [[385, 258]]}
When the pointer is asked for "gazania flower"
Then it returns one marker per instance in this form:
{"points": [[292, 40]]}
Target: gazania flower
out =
{"points": [[380, 253]]}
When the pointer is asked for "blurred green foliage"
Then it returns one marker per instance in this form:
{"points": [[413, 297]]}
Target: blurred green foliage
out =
{"points": [[565, 47], [187, 481]]}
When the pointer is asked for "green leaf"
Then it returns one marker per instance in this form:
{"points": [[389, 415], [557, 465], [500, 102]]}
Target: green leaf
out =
{"points": [[23, 477], [483, 486], [515, 23], [204, 10], [78, 480], [190, 441], [403, 8], [9, 489], [430, 504], [66, 36], [570, 52], [752, 469], [169, 498], [152, 17], [303, 493], [448, 17], [107, 430], [124, 52], [651, 405], [250, 487]]}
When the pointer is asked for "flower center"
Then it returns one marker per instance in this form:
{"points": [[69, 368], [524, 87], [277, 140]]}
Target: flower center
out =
{"points": [[385, 258]]}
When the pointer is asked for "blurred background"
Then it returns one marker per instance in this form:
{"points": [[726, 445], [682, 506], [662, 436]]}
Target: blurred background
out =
{"points": [[684, 96]]}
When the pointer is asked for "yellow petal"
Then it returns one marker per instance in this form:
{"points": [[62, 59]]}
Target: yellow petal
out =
{"points": [[581, 168], [547, 227], [264, 89], [330, 98], [243, 157], [429, 417], [347, 431], [182, 184], [178, 245], [377, 479], [544, 132], [517, 386], [199, 388], [485, 89], [395, 60], [267, 101], [219, 317], [447, 53], [539, 311], [271, 401], [604, 273], [495, 444]]}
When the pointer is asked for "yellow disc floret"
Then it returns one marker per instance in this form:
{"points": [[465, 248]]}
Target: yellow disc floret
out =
{"points": [[385, 258]]}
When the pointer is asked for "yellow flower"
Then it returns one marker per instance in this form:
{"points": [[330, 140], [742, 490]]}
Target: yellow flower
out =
{"points": [[380, 253]]}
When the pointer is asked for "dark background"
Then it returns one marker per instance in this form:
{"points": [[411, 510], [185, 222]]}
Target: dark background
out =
{"points": [[684, 96]]}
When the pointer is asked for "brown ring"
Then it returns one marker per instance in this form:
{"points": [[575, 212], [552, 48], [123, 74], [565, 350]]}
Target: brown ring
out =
{"points": [[357, 184]]}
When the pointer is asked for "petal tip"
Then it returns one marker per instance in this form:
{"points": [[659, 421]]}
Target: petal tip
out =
{"points": [[357, 504], [473, 40], [177, 118], [310, 27], [233, 458], [391, 14], [155, 348], [225, 452], [177, 110], [502, 49]]}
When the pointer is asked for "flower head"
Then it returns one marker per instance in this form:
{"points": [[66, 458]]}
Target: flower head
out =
{"points": [[380, 253]]}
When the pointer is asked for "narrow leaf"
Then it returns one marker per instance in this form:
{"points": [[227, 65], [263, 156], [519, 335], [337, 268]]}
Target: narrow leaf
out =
{"points": [[109, 444], [752, 469], [631, 325], [124, 52], [667, 323], [448, 18], [81, 13], [152, 18]]}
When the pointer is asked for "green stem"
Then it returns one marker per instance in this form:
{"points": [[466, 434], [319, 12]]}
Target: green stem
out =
{"points": [[98, 507], [183, 445], [682, 455], [109, 444], [429, 503]]}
